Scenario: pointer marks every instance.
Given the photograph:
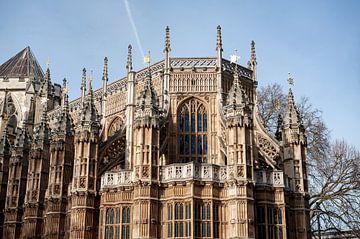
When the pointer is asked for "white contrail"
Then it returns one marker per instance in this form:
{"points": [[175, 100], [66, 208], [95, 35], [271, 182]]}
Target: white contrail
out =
{"points": [[133, 26]]}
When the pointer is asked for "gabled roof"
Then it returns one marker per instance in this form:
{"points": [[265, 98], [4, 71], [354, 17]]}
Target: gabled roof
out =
{"points": [[23, 64]]}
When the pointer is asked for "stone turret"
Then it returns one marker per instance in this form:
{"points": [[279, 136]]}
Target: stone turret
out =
{"points": [[147, 135], [253, 63], [37, 179], [294, 142], [295, 164], [105, 80], [238, 114], [167, 67], [61, 169], [130, 110], [18, 170], [83, 190]]}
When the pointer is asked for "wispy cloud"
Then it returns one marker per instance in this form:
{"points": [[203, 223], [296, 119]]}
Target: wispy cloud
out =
{"points": [[128, 10]]}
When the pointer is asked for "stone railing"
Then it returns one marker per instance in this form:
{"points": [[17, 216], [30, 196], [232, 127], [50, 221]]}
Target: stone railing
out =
{"points": [[201, 172], [115, 179], [178, 172], [272, 178]]}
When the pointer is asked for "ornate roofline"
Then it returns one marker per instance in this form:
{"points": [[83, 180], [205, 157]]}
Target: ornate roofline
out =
{"points": [[176, 63]]}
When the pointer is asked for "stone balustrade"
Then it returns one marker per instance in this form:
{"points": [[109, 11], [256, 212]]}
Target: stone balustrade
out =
{"points": [[195, 171], [201, 172], [274, 178], [115, 179]]}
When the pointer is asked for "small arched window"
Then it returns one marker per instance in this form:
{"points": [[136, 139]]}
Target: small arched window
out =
{"points": [[192, 131]]}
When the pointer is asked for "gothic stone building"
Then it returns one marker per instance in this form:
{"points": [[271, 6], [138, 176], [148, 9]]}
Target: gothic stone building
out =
{"points": [[175, 150]]}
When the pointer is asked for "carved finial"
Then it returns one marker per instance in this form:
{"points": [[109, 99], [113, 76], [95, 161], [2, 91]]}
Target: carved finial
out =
{"points": [[48, 62], [290, 80], [129, 59], [105, 69], [83, 85], [83, 80], [147, 60], [91, 78], [218, 39], [65, 92], [253, 53], [65, 87], [167, 39]]}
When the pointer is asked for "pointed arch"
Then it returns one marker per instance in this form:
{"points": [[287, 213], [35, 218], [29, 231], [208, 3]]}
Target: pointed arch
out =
{"points": [[192, 130], [115, 125]]}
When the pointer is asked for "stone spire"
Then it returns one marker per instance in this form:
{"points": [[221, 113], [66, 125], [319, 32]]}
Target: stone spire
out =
{"points": [[148, 98], [64, 124], [42, 130], [252, 63], [236, 97], [105, 70], [148, 108], [104, 89], [91, 78], [88, 112], [291, 116], [167, 39], [164, 98], [64, 96], [83, 86], [219, 46], [218, 39], [129, 59], [45, 88]]}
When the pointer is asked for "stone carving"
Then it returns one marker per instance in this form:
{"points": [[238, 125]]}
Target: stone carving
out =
{"points": [[267, 147]]}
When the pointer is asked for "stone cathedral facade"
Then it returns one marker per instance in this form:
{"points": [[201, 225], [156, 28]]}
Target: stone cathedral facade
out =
{"points": [[175, 150]]}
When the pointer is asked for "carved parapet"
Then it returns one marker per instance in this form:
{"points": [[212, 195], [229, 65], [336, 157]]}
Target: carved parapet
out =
{"points": [[201, 172], [270, 178], [116, 179]]}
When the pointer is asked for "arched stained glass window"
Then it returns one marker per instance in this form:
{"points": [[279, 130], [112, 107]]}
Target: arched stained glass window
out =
{"points": [[192, 131]]}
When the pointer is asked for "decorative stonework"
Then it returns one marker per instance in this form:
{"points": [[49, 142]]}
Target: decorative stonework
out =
{"points": [[270, 149]]}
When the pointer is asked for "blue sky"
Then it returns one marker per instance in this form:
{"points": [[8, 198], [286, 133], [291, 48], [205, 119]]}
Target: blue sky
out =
{"points": [[317, 41]]}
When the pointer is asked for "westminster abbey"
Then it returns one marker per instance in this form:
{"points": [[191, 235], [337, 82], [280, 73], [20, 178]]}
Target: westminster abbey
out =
{"points": [[174, 150]]}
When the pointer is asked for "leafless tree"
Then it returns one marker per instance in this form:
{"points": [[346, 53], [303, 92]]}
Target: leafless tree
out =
{"points": [[335, 185], [272, 101], [333, 168]]}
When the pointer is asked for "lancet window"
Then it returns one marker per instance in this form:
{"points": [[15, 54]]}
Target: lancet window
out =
{"points": [[178, 220], [117, 223], [269, 219], [202, 220], [192, 131]]}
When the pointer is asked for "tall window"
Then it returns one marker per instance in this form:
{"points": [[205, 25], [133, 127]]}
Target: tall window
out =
{"points": [[216, 216], [109, 227], [272, 220], [202, 219], [179, 220], [125, 226], [117, 223], [192, 128]]}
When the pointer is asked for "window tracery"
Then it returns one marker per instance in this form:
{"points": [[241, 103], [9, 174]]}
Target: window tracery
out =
{"points": [[270, 222], [192, 130], [114, 227], [179, 220], [115, 126]]}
